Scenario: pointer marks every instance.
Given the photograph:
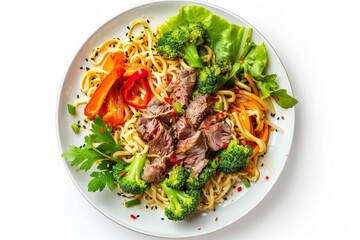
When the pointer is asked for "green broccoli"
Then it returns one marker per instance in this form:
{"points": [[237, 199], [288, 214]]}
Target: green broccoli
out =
{"points": [[234, 157], [206, 80], [204, 176], [183, 41], [177, 177], [128, 176], [182, 203], [213, 77]]}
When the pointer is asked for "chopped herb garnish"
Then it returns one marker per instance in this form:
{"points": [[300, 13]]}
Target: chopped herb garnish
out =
{"points": [[75, 128], [246, 183], [132, 203], [71, 109]]}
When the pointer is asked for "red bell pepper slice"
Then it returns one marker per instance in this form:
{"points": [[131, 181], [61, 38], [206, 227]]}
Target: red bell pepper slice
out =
{"points": [[130, 89], [118, 69], [113, 110]]}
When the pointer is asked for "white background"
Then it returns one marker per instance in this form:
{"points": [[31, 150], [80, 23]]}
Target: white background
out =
{"points": [[317, 196]]}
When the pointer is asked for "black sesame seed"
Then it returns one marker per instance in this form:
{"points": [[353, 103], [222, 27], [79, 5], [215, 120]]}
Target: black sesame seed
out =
{"points": [[162, 219], [87, 68], [81, 67], [148, 21], [86, 59], [128, 27]]}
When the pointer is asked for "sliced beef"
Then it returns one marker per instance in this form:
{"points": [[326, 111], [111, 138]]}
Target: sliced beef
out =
{"points": [[218, 134], [184, 129], [161, 110], [156, 170], [160, 140], [181, 89], [199, 107], [191, 152], [198, 167], [156, 134]]}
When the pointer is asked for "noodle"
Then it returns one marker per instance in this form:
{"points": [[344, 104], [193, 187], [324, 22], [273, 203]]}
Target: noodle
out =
{"points": [[244, 111]]}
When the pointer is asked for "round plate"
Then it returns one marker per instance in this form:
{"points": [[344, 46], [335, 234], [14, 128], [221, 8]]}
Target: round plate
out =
{"points": [[152, 221]]}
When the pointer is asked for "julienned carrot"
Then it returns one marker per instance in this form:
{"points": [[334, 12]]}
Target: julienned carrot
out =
{"points": [[265, 133], [254, 98], [252, 83], [245, 120]]}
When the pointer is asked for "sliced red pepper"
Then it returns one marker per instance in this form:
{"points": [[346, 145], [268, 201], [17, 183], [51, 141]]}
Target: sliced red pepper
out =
{"points": [[114, 109], [112, 60], [118, 69], [130, 90]]}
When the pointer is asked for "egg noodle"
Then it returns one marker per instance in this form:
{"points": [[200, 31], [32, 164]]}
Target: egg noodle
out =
{"points": [[242, 109]]}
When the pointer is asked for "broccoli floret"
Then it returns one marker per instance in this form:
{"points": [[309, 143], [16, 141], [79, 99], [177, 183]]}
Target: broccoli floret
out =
{"points": [[183, 41], [128, 176], [177, 177], [182, 204], [222, 66], [203, 177], [234, 157], [212, 77], [206, 80]]}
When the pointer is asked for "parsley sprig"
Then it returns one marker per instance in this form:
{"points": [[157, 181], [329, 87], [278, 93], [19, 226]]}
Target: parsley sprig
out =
{"points": [[98, 147]]}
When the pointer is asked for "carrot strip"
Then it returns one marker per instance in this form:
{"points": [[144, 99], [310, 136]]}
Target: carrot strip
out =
{"points": [[255, 98], [252, 83]]}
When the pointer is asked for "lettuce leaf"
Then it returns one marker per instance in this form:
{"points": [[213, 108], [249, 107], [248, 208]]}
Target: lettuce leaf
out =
{"points": [[225, 39], [254, 61]]}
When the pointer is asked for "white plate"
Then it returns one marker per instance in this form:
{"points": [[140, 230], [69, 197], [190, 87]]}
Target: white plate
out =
{"points": [[152, 222]]}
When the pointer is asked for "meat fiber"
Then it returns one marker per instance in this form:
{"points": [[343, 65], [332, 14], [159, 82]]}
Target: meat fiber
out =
{"points": [[191, 152], [160, 140], [161, 110], [182, 88], [199, 107], [217, 133]]}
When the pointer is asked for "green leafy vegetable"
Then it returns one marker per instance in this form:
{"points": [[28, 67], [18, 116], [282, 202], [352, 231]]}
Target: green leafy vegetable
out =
{"points": [[254, 62], [100, 180], [97, 147], [283, 99], [227, 40]]}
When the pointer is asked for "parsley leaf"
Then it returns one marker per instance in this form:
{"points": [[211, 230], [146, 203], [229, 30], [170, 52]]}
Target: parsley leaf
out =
{"points": [[100, 180], [98, 146]]}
